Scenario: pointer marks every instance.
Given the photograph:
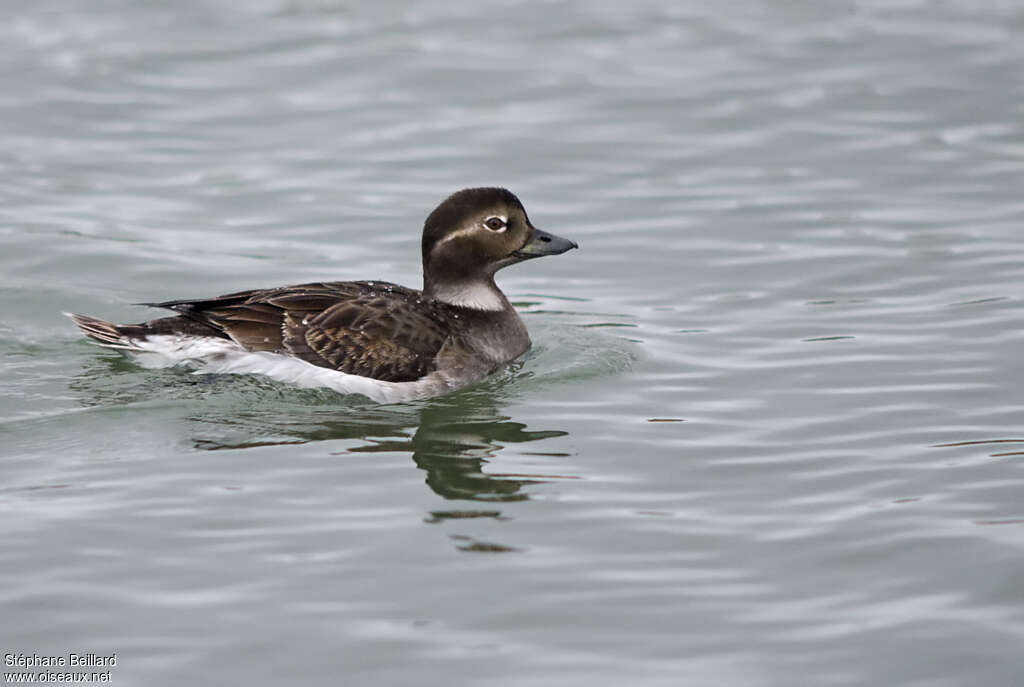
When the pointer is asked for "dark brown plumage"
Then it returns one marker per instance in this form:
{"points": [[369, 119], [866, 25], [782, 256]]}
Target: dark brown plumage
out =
{"points": [[373, 329]]}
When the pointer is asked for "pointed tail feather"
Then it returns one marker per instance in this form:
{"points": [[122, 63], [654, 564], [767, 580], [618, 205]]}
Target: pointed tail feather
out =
{"points": [[102, 332]]}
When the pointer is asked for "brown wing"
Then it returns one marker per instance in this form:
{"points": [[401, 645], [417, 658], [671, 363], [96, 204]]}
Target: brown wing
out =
{"points": [[373, 329]]}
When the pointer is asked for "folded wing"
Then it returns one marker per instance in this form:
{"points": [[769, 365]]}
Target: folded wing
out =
{"points": [[373, 329]]}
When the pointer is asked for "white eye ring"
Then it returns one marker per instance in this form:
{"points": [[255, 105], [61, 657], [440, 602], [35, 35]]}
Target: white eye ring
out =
{"points": [[501, 223]]}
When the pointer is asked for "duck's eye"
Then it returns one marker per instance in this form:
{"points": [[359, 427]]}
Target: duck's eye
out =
{"points": [[495, 223]]}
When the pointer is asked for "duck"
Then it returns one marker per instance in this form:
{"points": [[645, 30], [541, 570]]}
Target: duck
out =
{"points": [[387, 342]]}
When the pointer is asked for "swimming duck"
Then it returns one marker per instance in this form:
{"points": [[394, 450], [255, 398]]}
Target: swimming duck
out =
{"points": [[384, 341]]}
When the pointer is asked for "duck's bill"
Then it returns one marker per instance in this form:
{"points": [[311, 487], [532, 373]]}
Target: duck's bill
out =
{"points": [[542, 243]]}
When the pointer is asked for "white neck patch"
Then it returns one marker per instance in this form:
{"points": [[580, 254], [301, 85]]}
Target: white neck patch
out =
{"points": [[476, 295]]}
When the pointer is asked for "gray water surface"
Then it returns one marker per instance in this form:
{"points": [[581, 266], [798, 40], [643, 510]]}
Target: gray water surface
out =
{"points": [[772, 428]]}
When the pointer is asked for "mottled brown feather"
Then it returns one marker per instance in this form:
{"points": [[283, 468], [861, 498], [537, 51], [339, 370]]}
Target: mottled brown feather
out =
{"points": [[373, 329]]}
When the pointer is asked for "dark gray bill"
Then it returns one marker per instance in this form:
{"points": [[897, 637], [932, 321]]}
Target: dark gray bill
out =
{"points": [[542, 243]]}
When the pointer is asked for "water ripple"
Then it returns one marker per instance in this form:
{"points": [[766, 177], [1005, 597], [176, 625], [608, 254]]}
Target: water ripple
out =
{"points": [[769, 432]]}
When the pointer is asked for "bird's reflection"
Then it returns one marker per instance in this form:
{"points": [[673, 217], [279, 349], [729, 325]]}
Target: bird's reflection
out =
{"points": [[451, 438]]}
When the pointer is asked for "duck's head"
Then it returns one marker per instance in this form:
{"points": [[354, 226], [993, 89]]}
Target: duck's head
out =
{"points": [[473, 234]]}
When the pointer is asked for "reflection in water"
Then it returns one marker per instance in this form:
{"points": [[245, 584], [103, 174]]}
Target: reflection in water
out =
{"points": [[451, 438], [464, 543], [453, 452], [985, 444]]}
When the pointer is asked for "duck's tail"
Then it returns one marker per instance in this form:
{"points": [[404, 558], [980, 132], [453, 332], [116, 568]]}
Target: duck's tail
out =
{"points": [[103, 333]]}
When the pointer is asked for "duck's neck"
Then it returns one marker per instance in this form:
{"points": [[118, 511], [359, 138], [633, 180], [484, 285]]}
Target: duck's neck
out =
{"points": [[480, 293]]}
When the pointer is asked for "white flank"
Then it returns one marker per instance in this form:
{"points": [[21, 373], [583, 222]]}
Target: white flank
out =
{"points": [[221, 356]]}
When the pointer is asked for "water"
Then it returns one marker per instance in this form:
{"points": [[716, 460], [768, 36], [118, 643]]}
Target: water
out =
{"points": [[771, 429]]}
